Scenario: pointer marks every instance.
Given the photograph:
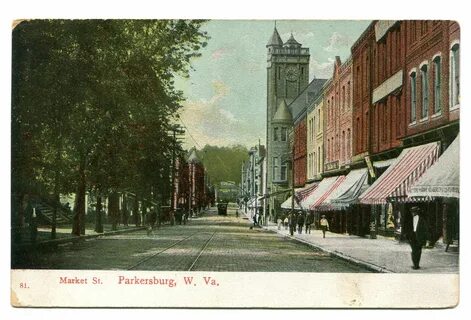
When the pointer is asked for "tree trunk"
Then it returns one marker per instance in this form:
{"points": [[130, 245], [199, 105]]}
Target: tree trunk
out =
{"points": [[144, 213], [79, 207], [99, 214], [113, 210], [125, 210], [135, 211]]}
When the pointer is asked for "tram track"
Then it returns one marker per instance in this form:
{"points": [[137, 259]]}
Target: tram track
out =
{"points": [[161, 251], [201, 251], [191, 265]]}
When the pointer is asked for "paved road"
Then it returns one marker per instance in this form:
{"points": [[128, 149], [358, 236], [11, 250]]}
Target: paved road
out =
{"points": [[207, 243]]}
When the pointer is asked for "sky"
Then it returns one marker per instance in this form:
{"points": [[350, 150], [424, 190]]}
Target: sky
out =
{"points": [[226, 90]]}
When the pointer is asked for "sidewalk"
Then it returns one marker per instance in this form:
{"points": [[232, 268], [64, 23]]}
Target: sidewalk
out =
{"points": [[64, 235], [381, 254]]}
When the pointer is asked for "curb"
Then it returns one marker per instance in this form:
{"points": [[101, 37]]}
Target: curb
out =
{"points": [[48, 243], [338, 254]]}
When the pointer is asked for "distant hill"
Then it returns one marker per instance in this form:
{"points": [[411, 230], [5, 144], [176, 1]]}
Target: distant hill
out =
{"points": [[223, 163]]}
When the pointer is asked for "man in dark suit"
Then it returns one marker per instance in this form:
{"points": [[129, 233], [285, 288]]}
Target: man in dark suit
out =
{"points": [[417, 235]]}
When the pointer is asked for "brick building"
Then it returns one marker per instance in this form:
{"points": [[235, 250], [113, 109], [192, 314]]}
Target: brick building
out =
{"points": [[405, 100], [338, 119], [432, 77], [387, 113], [361, 69], [298, 109]]}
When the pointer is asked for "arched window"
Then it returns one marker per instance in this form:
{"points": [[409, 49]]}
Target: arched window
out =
{"points": [[320, 159], [359, 134], [328, 150], [344, 147], [455, 75], [413, 97], [437, 74], [349, 145], [424, 80]]}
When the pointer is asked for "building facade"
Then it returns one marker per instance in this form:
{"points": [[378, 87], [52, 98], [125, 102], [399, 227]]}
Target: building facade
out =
{"points": [[388, 98], [287, 76], [338, 118], [299, 109], [432, 79], [361, 64]]}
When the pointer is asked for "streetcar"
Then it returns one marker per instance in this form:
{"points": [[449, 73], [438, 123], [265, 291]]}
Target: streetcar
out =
{"points": [[222, 208]]}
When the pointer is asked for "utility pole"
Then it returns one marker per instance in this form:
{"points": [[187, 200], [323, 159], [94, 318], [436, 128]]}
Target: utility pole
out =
{"points": [[292, 178], [173, 204]]}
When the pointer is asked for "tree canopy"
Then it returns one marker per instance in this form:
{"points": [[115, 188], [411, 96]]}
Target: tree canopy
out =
{"points": [[223, 163], [93, 102]]}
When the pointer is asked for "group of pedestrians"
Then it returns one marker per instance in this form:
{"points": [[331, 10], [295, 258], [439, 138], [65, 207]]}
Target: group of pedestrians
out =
{"points": [[416, 230], [296, 221]]}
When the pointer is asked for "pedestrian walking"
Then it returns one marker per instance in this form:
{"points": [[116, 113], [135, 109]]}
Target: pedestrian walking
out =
{"points": [[324, 225], [300, 221], [285, 222], [279, 222], [309, 221], [417, 236], [185, 218], [255, 219], [292, 222]]}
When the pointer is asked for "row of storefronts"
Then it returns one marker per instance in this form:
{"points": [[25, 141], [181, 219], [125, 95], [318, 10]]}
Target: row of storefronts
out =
{"points": [[417, 177], [378, 138]]}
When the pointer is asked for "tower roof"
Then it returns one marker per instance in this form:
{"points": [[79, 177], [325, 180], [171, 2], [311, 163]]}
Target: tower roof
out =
{"points": [[275, 39], [292, 42], [282, 113], [193, 158]]}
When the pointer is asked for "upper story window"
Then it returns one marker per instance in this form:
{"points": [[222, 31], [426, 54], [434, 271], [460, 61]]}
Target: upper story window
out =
{"points": [[349, 97], [283, 172], [284, 134], [455, 75], [425, 100], [413, 96], [319, 119], [343, 98], [313, 128], [437, 75], [275, 168], [275, 134]]}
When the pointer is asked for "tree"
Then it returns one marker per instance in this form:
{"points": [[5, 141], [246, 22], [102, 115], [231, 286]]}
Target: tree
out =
{"points": [[223, 163], [91, 99]]}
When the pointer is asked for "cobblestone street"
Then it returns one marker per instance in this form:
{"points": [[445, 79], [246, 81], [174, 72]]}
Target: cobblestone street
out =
{"points": [[206, 243]]}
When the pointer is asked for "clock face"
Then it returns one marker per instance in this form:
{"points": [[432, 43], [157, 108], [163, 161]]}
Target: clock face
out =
{"points": [[292, 73]]}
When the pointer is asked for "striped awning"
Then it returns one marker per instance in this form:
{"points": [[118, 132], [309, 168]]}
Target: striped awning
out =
{"points": [[322, 203], [346, 193], [396, 181], [288, 204], [443, 178], [316, 196], [301, 195]]}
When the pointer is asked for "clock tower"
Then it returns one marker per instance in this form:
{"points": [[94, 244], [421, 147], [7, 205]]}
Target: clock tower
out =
{"points": [[287, 76]]}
